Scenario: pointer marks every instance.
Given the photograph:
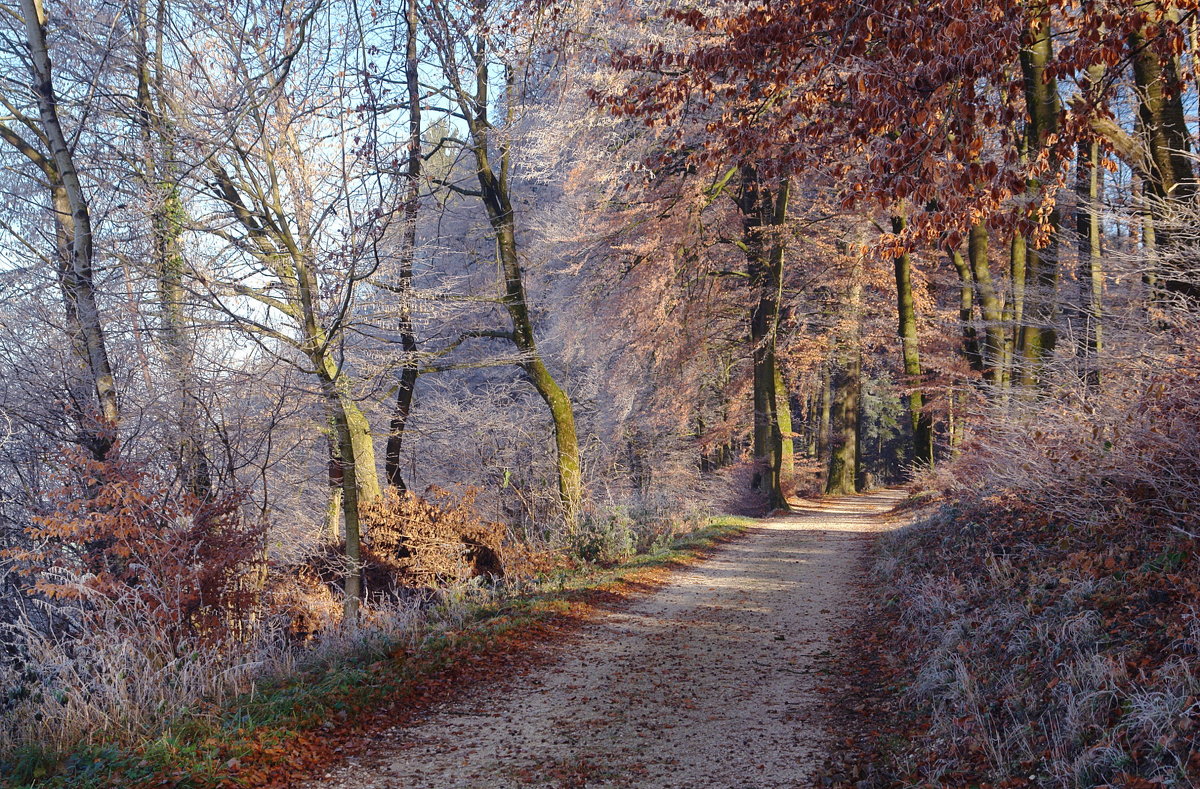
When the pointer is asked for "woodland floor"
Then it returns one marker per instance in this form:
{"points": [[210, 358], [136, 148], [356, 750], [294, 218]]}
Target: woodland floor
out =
{"points": [[713, 680]]}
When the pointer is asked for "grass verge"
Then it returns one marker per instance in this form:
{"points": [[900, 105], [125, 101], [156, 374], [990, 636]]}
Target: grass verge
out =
{"points": [[288, 728]]}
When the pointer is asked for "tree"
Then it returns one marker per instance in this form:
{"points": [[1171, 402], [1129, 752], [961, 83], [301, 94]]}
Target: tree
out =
{"points": [[922, 422], [299, 223], [466, 39], [97, 412]]}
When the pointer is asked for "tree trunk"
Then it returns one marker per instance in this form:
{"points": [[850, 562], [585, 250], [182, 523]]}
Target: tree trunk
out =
{"points": [[333, 514], [1163, 122], [1043, 107], [1091, 272], [1014, 314], [922, 422], [843, 457], [167, 221], [844, 387], [825, 425], [74, 219], [783, 414], [348, 476], [494, 192], [994, 327], [408, 339], [966, 311], [763, 213]]}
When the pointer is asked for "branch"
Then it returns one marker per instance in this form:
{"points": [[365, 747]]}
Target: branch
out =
{"points": [[1124, 144], [495, 334]]}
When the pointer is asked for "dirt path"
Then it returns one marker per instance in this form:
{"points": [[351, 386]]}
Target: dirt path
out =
{"points": [[709, 682]]}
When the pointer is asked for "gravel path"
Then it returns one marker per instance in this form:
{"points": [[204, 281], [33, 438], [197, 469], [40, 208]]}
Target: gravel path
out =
{"points": [[709, 682]]}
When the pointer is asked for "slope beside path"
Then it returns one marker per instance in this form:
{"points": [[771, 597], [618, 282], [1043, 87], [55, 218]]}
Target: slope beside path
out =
{"points": [[710, 681]]}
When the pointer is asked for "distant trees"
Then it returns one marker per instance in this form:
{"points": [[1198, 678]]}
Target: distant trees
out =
{"points": [[811, 246], [977, 133]]}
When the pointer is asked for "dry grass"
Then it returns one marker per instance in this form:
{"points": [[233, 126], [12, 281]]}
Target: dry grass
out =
{"points": [[1051, 605]]}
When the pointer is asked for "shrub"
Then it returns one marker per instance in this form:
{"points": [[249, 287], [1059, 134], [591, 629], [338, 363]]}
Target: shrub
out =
{"points": [[603, 537], [427, 541], [114, 534]]}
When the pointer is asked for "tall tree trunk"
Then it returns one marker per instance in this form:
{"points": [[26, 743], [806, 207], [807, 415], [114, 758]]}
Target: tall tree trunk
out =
{"points": [[922, 422], [494, 192], [1149, 246], [570, 481], [966, 311], [1171, 178], [844, 401], [1014, 311], [352, 468], [166, 221], [1043, 107], [825, 419], [783, 414], [75, 221], [843, 457], [408, 339], [347, 474], [333, 512], [763, 213], [1091, 272], [990, 308]]}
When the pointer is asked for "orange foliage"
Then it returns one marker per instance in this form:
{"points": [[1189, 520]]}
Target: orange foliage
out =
{"points": [[114, 532], [429, 539]]}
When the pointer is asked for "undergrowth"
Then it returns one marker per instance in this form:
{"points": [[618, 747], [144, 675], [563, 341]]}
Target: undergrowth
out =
{"points": [[1047, 656], [298, 703], [1048, 615]]}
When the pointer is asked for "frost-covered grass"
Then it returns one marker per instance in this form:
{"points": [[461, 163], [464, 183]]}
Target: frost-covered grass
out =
{"points": [[126, 707], [1046, 654]]}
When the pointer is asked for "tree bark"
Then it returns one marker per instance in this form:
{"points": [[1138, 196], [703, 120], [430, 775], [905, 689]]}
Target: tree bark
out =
{"points": [[406, 386], [1090, 271], [966, 311], [494, 192], [990, 308], [73, 217], [783, 414], [1171, 177], [825, 422], [844, 389], [348, 473], [166, 222], [921, 421], [763, 213], [843, 457], [1044, 108]]}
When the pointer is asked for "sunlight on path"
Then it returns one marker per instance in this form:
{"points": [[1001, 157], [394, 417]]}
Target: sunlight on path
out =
{"points": [[708, 682]]}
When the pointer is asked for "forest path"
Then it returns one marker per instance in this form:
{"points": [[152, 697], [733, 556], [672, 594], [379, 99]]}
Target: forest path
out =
{"points": [[711, 681]]}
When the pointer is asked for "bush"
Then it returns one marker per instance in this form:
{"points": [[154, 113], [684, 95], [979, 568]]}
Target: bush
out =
{"points": [[114, 535], [409, 543], [1049, 610], [1132, 453], [427, 541], [603, 538]]}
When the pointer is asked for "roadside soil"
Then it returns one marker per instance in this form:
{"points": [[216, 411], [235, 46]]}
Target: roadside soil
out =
{"points": [[720, 678]]}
